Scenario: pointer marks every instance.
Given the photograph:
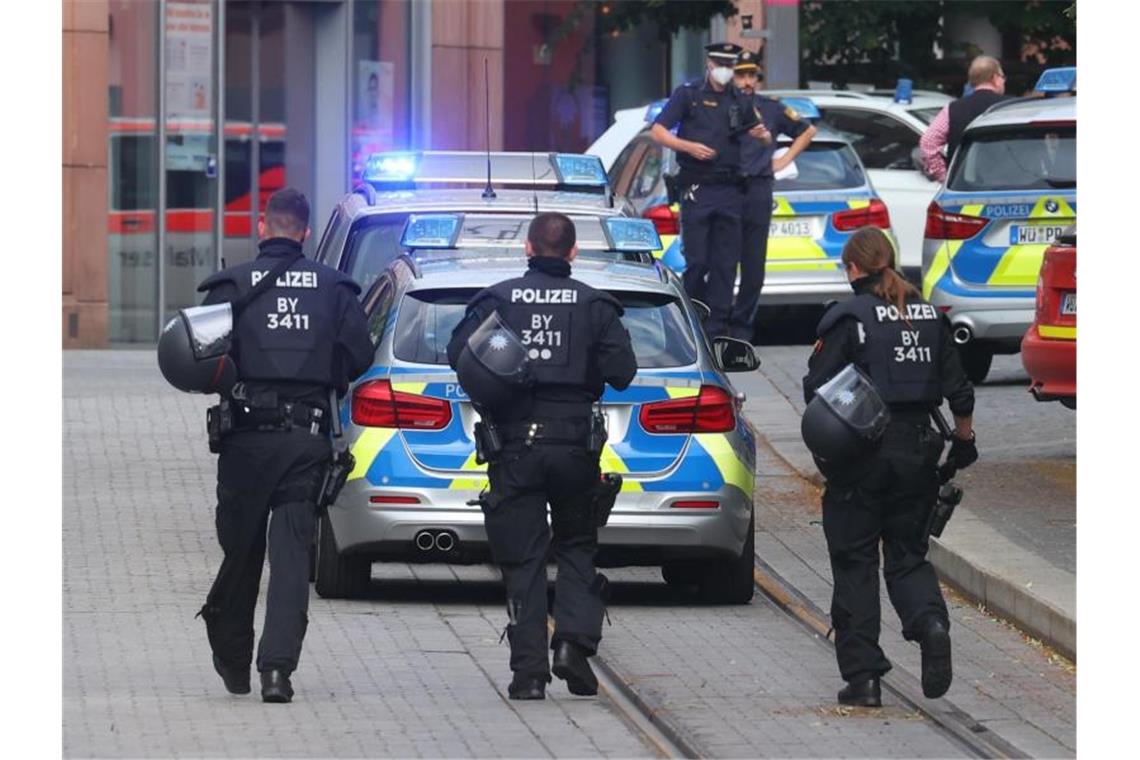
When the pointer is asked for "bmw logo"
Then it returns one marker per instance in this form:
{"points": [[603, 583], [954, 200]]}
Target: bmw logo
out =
{"points": [[1051, 206]]}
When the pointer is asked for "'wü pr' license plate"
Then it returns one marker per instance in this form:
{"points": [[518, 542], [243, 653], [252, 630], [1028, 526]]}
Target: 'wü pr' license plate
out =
{"points": [[1033, 234], [791, 228]]}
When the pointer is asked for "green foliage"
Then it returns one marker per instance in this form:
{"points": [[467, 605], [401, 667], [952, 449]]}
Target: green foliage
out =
{"points": [[671, 16]]}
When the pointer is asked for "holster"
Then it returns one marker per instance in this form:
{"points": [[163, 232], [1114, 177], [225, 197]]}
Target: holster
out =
{"points": [[488, 442], [336, 476], [949, 496], [672, 188], [605, 495], [219, 424], [598, 435]]}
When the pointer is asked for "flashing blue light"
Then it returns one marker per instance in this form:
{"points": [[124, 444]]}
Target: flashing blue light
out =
{"points": [[805, 107], [654, 109], [580, 169], [431, 231], [904, 91], [390, 167], [632, 234], [1053, 81]]}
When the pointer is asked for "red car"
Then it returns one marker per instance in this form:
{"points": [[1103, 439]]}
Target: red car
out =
{"points": [[1049, 349]]}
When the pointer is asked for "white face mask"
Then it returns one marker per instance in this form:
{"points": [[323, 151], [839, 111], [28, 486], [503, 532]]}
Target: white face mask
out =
{"points": [[722, 75]]}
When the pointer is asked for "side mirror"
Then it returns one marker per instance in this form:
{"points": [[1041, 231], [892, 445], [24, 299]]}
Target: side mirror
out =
{"points": [[735, 355], [703, 309]]}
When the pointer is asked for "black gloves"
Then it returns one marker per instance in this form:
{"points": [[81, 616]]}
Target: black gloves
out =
{"points": [[963, 453]]}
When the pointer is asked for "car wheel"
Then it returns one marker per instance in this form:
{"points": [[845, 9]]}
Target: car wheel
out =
{"points": [[732, 582], [338, 576], [1069, 402], [976, 361]]}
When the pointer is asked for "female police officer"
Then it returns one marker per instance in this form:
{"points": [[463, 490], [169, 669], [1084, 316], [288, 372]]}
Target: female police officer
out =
{"points": [[884, 491]]}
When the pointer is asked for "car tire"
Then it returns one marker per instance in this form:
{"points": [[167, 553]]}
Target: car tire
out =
{"points": [[732, 581], [1069, 402], [976, 361], [338, 576]]}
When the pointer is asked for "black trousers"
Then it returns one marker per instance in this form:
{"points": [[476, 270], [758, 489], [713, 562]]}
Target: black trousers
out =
{"points": [[755, 222], [886, 503], [522, 482], [265, 477], [710, 239]]}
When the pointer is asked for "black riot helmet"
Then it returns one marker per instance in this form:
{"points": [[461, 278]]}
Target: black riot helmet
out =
{"points": [[493, 367], [845, 418], [193, 350]]}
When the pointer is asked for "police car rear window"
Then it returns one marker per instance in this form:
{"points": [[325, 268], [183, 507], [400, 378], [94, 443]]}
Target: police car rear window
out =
{"points": [[1020, 157], [824, 166], [660, 334], [372, 245]]}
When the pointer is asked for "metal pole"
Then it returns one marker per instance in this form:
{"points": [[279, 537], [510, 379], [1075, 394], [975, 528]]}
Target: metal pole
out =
{"points": [[220, 132], [255, 121], [421, 74], [160, 163]]}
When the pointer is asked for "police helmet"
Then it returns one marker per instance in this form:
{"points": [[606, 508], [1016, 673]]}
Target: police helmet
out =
{"points": [[493, 366], [845, 418], [193, 350]]}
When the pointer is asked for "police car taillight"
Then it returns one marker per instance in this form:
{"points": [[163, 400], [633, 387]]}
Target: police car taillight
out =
{"points": [[712, 410], [874, 214], [377, 404], [664, 219], [943, 225]]}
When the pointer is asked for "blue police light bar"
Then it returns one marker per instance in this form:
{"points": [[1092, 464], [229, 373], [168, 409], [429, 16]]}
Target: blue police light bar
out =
{"points": [[654, 109], [390, 167], [1053, 81], [580, 169], [805, 107], [633, 235], [431, 230], [904, 91]]}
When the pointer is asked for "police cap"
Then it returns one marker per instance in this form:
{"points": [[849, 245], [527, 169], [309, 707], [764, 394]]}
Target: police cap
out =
{"points": [[747, 63], [723, 53]]}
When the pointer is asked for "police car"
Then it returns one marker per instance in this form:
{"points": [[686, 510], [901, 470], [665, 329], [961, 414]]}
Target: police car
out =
{"points": [[677, 435], [818, 201], [362, 236], [883, 126], [1011, 191]]}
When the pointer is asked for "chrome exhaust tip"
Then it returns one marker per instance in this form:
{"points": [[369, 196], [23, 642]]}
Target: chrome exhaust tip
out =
{"points": [[425, 541], [963, 335], [445, 541]]}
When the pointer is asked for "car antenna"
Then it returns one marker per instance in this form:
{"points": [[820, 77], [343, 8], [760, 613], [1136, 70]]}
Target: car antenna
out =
{"points": [[488, 191]]}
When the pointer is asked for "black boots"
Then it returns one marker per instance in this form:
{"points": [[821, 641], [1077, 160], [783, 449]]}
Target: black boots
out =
{"points": [[527, 687], [236, 681], [275, 687], [936, 667], [570, 664], [862, 694]]}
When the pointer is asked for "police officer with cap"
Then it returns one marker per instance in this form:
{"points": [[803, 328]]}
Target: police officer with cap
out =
{"points": [[712, 117], [298, 333], [759, 165], [884, 491], [571, 339]]}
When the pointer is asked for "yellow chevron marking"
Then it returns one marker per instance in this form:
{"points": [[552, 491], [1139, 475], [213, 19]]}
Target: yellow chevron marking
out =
{"points": [[732, 470], [1063, 208], [1019, 265], [859, 204], [366, 447], [611, 462], [416, 388], [666, 241], [786, 254], [782, 208], [470, 484], [1051, 331], [681, 392], [939, 265]]}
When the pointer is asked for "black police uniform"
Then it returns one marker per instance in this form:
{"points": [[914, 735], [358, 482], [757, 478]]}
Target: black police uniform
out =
{"points": [[756, 163], [887, 494], [291, 344], [577, 344], [711, 193]]}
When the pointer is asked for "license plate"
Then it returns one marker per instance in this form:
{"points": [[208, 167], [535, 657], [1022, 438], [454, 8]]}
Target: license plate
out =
{"points": [[791, 228], [1069, 304], [1033, 234]]}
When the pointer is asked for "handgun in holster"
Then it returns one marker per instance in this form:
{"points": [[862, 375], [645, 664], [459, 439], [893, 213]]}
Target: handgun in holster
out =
{"points": [[598, 435], [949, 493], [336, 476], [605, 495], [219, 424], [672, 188], [488, 442]]}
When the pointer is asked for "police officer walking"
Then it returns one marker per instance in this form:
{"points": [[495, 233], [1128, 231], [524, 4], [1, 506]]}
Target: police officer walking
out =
{"points": [[298, 333], [711, 117], [759, 165], [885, 492], [569, 342]]}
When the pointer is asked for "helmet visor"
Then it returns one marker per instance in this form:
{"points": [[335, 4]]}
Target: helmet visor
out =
{"points": [[853, 399], [210, 328], [499, 350]]}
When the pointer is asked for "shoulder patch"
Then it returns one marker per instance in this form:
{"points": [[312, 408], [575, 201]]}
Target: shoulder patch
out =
{"points": [[791, 113]]}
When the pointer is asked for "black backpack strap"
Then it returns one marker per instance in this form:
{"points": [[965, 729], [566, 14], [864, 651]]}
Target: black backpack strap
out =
{"points": [[264, 284]]}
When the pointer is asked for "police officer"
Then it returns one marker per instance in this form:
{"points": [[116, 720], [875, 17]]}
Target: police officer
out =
{"points": [[885, 493], [759, 164], [575, 343], [711, 117], [296, 340]]}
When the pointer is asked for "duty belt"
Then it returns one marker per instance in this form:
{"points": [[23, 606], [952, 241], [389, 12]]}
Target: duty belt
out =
{"points": [[288, 415], [548, 431], [687, 177]]}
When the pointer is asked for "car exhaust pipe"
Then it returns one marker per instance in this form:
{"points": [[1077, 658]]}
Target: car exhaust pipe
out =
{"points": [[963, 334], [425, 541], [445, 541]]}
